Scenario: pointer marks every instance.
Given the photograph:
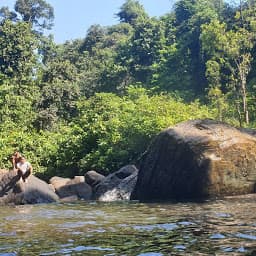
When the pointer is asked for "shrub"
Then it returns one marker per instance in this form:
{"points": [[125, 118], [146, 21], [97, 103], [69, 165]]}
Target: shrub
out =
{"points": [[113, 131]]}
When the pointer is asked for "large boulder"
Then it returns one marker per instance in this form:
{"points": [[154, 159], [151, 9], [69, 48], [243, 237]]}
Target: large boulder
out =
{"points": [[14, 190], [37, 191], [118, 185], [72, 188], [195, 159]]}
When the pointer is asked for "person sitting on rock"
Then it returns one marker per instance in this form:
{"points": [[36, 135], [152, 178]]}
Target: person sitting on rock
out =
{"points": [[24, 168], [15, 159]]}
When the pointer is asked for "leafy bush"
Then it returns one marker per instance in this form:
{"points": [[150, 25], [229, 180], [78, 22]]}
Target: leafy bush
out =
{"points": [[113, 131]]}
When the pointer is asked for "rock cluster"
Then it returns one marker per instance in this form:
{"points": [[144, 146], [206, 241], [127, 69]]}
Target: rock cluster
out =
{"points": [[116, 186]]}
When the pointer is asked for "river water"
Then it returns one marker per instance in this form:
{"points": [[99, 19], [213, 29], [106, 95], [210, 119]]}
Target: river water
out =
{"points": [[219, 227]]}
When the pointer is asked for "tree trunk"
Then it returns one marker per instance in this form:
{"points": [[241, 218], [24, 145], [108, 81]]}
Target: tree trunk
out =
{"points": [[239, 114], [244, 67], [244, 97]]}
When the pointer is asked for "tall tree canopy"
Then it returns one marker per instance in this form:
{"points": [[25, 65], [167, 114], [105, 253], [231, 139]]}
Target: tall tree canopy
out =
{"points": [[38, 13], [131, 11]]}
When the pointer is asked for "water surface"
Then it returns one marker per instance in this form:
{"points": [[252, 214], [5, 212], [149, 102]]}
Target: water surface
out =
{"points": [[220, 227]]}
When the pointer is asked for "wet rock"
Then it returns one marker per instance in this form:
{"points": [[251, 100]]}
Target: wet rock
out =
{"points": [[118, 185], [69, 199], [120, 192], [93, 178], [72, 187], [201, 158]]}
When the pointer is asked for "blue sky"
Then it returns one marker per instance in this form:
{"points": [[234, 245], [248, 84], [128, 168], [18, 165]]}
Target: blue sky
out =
{"points": [[73, 18]]}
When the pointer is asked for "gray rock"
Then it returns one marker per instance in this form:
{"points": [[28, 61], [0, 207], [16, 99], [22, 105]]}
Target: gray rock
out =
{"points": [[58, 182], [195, 159], [37, 191], [8, 180], [93, 178], [122, 191], [118, 185], [12, 190], [76, 187]]}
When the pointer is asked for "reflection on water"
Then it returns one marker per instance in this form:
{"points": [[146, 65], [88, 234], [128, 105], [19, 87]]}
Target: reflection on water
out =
{"points": [[222, 227]]}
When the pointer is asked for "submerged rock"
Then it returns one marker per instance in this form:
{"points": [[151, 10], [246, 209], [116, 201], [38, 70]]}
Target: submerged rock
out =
{"points": [[200, 158], [14, 190], [118, 185]]}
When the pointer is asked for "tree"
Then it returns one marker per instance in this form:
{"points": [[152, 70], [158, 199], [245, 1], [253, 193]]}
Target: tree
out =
{"points": [[95, 34], [6, 14], [189, 16], [17, 105], [17, 51], [131, 11], [58, 83], [37, 12], [215, 94], [232, 50], [138, 54]]}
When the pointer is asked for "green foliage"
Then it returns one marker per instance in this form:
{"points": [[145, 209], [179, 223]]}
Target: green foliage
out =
{"points": [[131, 11], [111, 131], [38, 147], [17, 51], [230, 51], [37, 12], [16, 107]]}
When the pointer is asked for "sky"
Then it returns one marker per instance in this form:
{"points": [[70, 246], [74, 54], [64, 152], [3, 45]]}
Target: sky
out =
{"points": [[73, 18]]}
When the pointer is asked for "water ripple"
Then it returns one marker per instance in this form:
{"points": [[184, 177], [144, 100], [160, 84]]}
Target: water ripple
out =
{"points": [[245, 236], [217, 227], [217, 236], [167, 226], [77, 249]]}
